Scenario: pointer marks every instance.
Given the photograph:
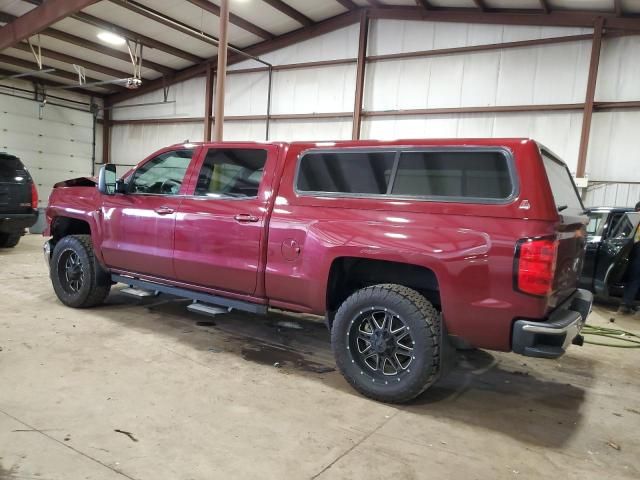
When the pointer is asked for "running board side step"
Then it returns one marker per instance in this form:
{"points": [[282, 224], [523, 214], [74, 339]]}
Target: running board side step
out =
{"points": [[137, 292], [191, 294], [209, 310]]}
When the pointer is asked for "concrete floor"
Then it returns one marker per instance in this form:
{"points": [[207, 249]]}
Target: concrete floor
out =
{"points": [[205, 401]]}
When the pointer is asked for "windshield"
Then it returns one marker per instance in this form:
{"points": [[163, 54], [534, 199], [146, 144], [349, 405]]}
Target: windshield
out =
{"points": [[562, 186]]}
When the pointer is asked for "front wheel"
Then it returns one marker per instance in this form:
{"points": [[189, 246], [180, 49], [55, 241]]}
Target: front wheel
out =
{"points": [[386, 343], [78, 279]]}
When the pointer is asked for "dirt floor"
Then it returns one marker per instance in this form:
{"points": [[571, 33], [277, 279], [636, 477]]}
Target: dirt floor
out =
{"points": [[145, 390]]}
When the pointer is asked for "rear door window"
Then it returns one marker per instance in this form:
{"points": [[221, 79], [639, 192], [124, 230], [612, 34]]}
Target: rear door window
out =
{"points": [[231, 173], [562, 186]]}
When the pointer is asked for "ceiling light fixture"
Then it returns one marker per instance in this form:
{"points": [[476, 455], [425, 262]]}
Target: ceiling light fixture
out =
{"points": [[111, 38]]}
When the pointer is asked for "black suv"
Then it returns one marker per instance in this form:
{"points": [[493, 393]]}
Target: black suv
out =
{"points": [[18, 200]]}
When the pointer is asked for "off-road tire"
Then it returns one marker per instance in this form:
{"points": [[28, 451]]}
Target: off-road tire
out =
{"points": [[9, 240], [95, 281], [422, 321]]}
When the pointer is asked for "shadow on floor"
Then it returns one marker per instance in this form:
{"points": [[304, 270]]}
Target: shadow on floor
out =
{"points": [[522, 404]]}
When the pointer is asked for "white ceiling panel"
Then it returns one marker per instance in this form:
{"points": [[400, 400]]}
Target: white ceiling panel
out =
{"points": [[122, 17], [533, 4], [199, 19], [15, 7], [80, 29], [604, 5], [317, 11]]}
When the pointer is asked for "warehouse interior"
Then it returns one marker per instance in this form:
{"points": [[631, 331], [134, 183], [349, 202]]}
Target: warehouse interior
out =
{"points": [[140, 388]]}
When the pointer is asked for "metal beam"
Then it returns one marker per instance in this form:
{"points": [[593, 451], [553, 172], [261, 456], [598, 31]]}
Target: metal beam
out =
{"points": [[61, 57], [617, 7], [18, 62], [594, 63], [289, 11], [559, 18], [300, 35], [147, 41], [221, 72], [38, 19], [360, 75], [234, 19]]}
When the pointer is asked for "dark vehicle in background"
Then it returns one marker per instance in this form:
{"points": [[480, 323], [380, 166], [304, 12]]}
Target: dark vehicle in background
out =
{"points": [[609, 242], [18, 200]]}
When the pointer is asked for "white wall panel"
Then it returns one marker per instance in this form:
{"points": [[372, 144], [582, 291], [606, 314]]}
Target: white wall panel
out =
{"points": [[613, 153], [342, 43], [314, 90], [246, 94], [619, 72], [131, 144], [613, 194], [253, 130], [187, 98], [315, 129], [394, 36], [522, 76]]}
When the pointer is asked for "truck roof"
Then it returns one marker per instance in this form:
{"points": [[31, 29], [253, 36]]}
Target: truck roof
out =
{"points": [[368, 143]]}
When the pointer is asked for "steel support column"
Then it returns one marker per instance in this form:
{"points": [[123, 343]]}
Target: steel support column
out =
{"points": [[208, 104], [594, 63], [360, 75], [106, 136], [221, 72]]}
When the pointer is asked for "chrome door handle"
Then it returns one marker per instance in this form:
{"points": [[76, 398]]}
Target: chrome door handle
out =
{"points": [[164, 210], [245, 218]]}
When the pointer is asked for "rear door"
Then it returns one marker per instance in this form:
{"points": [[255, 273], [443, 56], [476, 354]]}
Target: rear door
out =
{"points": [[614, 254], [220, 227], [570, 230], [15, 186]]}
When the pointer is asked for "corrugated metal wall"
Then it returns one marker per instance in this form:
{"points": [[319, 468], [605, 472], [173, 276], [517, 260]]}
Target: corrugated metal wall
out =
{"points": [[546, 74]]}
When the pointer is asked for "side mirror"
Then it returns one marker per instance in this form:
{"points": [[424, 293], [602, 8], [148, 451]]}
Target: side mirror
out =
{"points": [[107, 179]]}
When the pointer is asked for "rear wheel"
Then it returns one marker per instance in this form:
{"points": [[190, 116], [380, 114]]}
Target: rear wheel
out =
{"points": [[9, 240], [78, 279], [386, 343]]}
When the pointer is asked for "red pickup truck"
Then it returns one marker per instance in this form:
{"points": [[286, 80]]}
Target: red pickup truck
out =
{"points": [[404, 246]]}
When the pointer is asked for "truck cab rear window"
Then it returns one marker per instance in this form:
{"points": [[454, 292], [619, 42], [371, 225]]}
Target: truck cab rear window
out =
{"points": [[483, 175]]}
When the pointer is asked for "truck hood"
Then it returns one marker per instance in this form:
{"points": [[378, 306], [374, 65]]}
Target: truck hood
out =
{"points": [[78, 182]]}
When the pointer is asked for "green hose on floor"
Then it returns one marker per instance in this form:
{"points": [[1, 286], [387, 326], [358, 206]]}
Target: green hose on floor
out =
{"points": [[628, 339]]}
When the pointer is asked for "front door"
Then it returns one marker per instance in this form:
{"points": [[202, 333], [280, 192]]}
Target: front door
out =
{"points": [[614, 254], [138, 225], [220, 227]]}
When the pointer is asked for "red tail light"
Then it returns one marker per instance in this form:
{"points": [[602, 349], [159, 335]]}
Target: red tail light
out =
{"points": [[535, 265], [34, 196]]}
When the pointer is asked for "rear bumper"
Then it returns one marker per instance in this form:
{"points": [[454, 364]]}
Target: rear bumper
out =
{"points": [[17, 222], [551, 338]]}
